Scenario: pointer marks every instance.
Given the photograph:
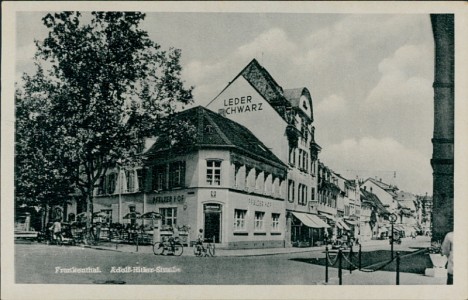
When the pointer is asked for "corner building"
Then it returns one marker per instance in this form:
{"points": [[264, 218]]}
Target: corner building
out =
{"points": [[221, 179], [282, 119]]}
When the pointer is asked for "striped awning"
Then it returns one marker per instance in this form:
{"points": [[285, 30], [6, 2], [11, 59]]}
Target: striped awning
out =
{"points": [[343, 225], [310, 220]]}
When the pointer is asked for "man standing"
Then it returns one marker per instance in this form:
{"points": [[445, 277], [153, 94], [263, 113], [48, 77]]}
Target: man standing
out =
{"points": [[447, 250]]}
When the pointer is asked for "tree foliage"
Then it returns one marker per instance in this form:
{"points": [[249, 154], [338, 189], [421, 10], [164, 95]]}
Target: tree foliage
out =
{"points": [[101, 86]]}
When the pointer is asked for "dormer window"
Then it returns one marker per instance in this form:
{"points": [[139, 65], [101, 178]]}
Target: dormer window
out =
{"points": [[209, 129]]}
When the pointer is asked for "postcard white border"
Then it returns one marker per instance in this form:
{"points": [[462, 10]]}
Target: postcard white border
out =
{"points": [[10, 290]]}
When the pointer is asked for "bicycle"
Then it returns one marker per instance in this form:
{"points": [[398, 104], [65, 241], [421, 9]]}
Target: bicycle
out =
{"points": [[87, 237], [200, 250], [172, 246]]}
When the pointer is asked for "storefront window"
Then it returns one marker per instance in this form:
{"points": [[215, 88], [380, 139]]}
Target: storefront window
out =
{"points": [[275, 222], [169, 216], [239, 219], [259, 217], [213, 172]]}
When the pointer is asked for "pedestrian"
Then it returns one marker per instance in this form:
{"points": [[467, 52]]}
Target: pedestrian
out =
{"points": [[447, 250], [56, 229]]}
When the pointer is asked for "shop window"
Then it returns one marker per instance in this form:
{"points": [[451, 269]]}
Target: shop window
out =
{"points": [[291, 190], [259, 221], [169, 216], [239, 219], [275, 222], [177, 174], [213, 172]]}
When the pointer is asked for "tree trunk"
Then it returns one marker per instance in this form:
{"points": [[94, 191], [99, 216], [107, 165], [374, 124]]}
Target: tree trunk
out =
{"points": [[89, 209]]}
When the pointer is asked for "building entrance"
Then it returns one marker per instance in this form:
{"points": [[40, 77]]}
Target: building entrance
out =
{"points": [[212, 214]]}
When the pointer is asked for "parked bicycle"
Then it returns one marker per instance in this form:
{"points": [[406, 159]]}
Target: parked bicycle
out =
{"points": [[200, 250], [169, 246]]}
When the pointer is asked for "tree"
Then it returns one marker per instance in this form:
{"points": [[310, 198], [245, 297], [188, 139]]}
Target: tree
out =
{"points": [[100, 88]]}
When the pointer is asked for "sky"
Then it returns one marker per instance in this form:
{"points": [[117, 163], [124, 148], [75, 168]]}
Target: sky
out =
{"points": [[370, 77]]}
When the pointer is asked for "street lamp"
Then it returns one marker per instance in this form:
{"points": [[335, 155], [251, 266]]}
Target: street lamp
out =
{"points": [[393, 219]]}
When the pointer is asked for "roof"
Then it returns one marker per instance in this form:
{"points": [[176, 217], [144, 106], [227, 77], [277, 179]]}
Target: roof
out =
{"points": [[402, 195], [294, 97], [408, 204], [388, 188], [214, 131], [371, 198], [259, 78]]}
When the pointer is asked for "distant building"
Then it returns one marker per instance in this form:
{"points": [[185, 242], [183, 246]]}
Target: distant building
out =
{"points": [[385, 192], [374, 217]]}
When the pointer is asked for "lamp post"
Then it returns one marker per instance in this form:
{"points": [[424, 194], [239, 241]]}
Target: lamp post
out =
{"points": [[393, 219]]}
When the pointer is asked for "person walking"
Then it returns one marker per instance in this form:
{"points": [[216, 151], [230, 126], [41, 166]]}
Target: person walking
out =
{"points": [[447, 250], [56, 229]]}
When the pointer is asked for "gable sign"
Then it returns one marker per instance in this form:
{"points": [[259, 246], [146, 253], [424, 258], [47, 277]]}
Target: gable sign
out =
{"points": [[239, 105]]}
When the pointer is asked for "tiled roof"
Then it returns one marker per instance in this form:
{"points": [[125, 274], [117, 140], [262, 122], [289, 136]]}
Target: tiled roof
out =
{"points": [[388, 188], [214, 131], [367, 196], [293, 96]]}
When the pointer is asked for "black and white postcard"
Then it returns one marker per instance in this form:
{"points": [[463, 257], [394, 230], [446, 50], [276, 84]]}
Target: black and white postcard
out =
{"points": [[234, 150]]}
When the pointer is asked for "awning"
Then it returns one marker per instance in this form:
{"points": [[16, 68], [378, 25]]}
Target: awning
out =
{"points": [[318, 221], [303, 218], [343, 224], [310, 220], [351, 222]]}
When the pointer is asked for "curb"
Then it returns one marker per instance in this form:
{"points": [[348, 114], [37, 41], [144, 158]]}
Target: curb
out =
{"points": [[218, 255]]}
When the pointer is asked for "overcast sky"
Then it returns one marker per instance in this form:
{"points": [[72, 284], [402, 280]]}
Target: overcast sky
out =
{"points": [[370, 77]]}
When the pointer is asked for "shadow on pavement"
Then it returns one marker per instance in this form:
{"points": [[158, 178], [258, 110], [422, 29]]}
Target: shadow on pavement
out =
{"points": [[415, 263]]}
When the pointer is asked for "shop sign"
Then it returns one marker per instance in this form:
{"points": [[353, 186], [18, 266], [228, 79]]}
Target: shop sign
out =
{"points": [[213, 207], [168, 199], [241, 105], [259, 203]]}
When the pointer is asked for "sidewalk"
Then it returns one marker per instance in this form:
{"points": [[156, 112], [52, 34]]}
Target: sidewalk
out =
{"points": [[188, 251]]}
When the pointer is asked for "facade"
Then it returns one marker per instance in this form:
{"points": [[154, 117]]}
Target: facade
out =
{"points": [[425, 209], [222, 180], [385, 192], [374, 220], [407, 212], [283, 120]]}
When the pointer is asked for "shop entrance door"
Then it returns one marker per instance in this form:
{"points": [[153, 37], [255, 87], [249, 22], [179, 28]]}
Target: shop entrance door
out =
{"points": [[212, 214]]}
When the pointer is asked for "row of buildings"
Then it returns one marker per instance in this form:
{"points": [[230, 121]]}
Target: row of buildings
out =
{"points": [[250, 176]]}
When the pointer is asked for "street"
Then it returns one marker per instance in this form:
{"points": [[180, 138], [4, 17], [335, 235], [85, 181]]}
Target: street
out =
{"points": [[40, 263], [36, 263]]}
